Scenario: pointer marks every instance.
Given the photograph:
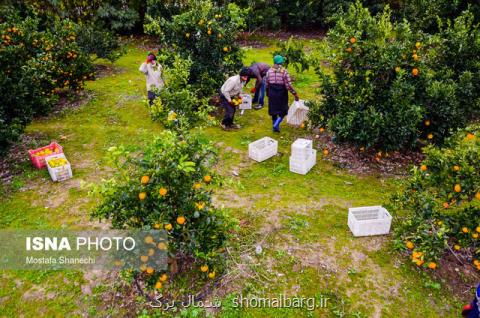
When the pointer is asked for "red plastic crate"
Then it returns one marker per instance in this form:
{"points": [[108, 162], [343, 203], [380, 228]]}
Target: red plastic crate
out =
{"points": [[39, 160]]}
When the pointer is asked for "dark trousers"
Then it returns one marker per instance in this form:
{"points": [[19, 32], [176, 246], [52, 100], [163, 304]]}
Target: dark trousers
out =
{"points": [[260, 93], [151, 97], [229, 111]]}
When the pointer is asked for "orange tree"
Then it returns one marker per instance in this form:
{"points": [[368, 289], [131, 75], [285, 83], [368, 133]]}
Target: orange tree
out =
{"points": [[206, 34], [442, 203], [34, 66], [387, 89], [168, 186]]}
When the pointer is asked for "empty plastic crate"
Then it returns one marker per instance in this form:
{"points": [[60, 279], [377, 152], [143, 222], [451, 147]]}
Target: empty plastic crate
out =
{"points": [[371, 220], [39, 160], [303, 166], [297, 113], [246, 102], [302, 148], [59, 173], [263, 149]]}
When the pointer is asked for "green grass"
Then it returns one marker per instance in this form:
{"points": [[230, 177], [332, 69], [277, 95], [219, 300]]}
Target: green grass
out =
{"points": [[300, 220]]}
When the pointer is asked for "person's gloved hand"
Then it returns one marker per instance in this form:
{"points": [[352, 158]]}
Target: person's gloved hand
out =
{"points": [[296, 97], [231, 103], [253, 90]]}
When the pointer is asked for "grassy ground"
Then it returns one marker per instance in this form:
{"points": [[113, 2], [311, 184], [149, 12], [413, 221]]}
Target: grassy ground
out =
{"points": [[300, 221]]}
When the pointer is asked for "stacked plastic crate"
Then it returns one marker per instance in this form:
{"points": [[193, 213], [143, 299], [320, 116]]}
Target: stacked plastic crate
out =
{"points": [[303, 157]]}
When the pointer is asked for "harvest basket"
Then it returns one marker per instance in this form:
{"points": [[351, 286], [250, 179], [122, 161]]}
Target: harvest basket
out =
{"points": [[39, 161], [246, 102], [303, 166], [367, 221], [302, 149], [297, 113], [263, 149], [61, 173]]}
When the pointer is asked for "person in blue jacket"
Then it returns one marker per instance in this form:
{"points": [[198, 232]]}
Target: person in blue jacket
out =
{"points": [[472, 310]]}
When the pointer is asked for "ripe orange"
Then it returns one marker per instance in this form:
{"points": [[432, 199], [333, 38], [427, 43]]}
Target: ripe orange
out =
{"points": [[478, 229], [348, 49], [432, 265], [353, 40], [419, 262], [209, 32], [457, 247], [430, 136], [470, 136], [144, 258], [415, 72], [197, 185], [410, 245], [225, 49], [465, 229], [398, 69], [477, 195], [156, 226], [446, 205], [200, 205], [150, 252], [427, 122], [158, 285], [423, 168], [476, 262], [149, 239], [163, 192], [325, 152], [457, 188], [322, 130], [302, 125], [207, 179], [163, 278], [142, 196], [211, 275], [417, 254], [415, 57], [475, 235], [150, 270], [162, 246], [181, 220], [145, 179], [456, 168], [168, 227], [418, 45], [204, 268]]}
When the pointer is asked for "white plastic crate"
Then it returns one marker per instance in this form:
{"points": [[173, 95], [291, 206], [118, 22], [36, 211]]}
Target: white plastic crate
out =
{"points": [[303, 166], [246, 102], [263, 149], [370, 220], [61, 173], [297, 113], [302, 149]]}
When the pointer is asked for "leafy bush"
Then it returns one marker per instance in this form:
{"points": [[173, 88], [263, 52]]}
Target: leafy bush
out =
{"points": [[206, 34], [178, 107], [294, 54], [442, 202], [387, 89], [168, 187], [34, 65]]}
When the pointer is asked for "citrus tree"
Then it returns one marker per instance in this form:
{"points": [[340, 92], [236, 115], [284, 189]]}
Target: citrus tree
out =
{"points": [[168, 186], [206, 34], [442, 203]]}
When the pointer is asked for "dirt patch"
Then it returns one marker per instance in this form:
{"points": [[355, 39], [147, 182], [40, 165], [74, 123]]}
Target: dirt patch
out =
{"points": [[104, 70]]}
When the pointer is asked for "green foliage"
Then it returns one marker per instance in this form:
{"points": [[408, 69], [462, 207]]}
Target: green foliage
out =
{"points": [[98, 43], [178, 107], [294, 54], [205, 34], [389, 88], [442, 200], [35, 65], [178, 169]]}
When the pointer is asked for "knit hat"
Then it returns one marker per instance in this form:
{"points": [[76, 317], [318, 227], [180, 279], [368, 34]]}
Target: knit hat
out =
{"points": [[245, 71], [278, 59]]}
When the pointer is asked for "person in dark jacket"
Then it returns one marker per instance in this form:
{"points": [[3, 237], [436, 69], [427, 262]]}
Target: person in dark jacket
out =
{"points": [[278, 84], [472, 310], [258, 71]]}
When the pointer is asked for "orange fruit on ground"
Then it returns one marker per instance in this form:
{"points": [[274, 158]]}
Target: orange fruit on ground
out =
{"points": [[168, 227], [410, 245], [150, 270], [457, 188], [145, 179], [432, 265], [163, 192], [158, 285], [470, 136], [144, 258], [211, 275], [423, 168], [427, 122], [325, 152], [207, 179], [415, 72], [322, 130], [465, 229], [457, 247], [430, 136], [181, 220], [163, 278], [142, 196], [204, 268], [353, 40], [302, 125]]}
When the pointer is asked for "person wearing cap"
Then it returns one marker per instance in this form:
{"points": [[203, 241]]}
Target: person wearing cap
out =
{"points": [[278, 84], [258, 71], [232, 87], [153, 73]]}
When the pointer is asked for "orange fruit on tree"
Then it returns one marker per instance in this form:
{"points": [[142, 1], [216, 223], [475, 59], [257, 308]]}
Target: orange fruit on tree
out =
{"points": [[187, 35], [423, 168], [211, 275], [163, 278], [446, 205], [398, 69], [457, 188], [225, 49], [150, 270], [156, 226], [476, 262], [475, 235], [427, 122], [144, 258], [322, 129], [181, 220], [415, 57], [204, 268], [302, 125], [478, 229], [432, 265], [145, 179], [410, 245], [143, 267], [158, 285], [465, 229], [149, 239], [142, 196], [163, 192], [325, 152], [353, 40], [456, 168], [418, 45], [207, 179], [197, 185], [150, 252], [162, 246], [415, 72], [168, 227], [430, 136], [477, 195], [419, 262], [470, 136], [457, 247], [348, 49]]}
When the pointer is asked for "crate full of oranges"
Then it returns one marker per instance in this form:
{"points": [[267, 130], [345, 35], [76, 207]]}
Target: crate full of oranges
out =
{"points": [[37, 156]]}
